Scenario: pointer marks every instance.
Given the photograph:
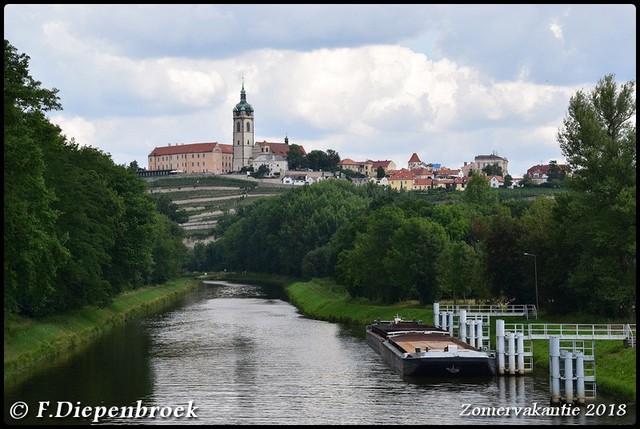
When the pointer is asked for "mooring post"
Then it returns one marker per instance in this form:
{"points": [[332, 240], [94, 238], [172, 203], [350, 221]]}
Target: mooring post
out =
{"points": [[580, 393], [451, 324], [568, 376], [472, 333], [479, 334], [500, 345], [520, 344], [462, 323], [511, 352], [554, 369], [444, 320], [436, 314]]}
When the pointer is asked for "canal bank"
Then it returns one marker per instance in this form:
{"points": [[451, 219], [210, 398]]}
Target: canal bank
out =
{"points": [[31, 345]]}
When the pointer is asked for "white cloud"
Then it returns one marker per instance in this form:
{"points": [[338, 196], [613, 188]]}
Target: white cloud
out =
{"points": [[468, 80], [556, 29]]}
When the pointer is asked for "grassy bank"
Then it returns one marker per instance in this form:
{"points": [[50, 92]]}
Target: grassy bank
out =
{"points": [[29, 343], [321, 299]]}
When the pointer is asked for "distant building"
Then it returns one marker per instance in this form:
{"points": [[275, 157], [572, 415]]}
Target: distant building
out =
{"points": [[211, 157], [218, 158], [540, 173], [482, 161]]}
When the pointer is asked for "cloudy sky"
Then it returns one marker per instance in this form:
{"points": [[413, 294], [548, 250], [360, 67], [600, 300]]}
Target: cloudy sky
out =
{"points": [[378, 82]]}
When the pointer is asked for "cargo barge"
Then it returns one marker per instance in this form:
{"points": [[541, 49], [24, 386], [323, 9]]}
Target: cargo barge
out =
{"points": [[414, 349]]}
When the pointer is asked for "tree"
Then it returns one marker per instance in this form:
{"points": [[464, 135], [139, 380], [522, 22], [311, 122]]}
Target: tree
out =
{"points": [[598, 138], [333, 158], [263, 170], [508, 181], [492, 170], [478, 191], [556, 176], [380, 172], [296, 158], [34, 251], [318, 160], [527, 182], [166, 206]]}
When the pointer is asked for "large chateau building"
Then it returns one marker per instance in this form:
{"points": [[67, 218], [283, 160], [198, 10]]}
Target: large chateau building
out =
{"points": [[219, 158]]}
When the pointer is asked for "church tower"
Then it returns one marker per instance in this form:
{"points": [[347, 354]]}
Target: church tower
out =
{"points": [[242, 132]]}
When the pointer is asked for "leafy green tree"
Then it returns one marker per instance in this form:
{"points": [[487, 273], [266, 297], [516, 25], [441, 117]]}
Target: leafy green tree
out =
{"points": [[380, 172], [262, 171], [598, 138], [527, 182], [34, 249], [169, 252], [411, 261], [503, 254], [318, 160], [508, 181], [78, 228], [556, 176], [492, 170], [537, 223], [462, 272], [360, 268], [296, 158], [333, 158], [478, 191], [166, 206], [133, 166]]}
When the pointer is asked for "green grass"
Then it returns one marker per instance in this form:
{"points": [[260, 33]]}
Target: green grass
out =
{"points": [[29, 343]]}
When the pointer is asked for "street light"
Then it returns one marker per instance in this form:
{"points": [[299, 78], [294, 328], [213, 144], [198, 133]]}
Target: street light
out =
{"points": [[535, 268]]}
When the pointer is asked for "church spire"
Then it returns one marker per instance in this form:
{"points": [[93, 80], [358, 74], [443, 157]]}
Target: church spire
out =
{"points": [[243, 94]]}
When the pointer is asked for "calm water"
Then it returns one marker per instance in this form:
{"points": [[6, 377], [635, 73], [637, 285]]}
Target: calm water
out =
{"points": [[237, 354]]}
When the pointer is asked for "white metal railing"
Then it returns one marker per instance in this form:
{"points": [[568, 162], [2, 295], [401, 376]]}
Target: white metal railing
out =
{"points": [[537, 331], [492, 309]]}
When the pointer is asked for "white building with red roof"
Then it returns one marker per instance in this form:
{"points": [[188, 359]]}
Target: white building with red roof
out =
{"points": [[218, 158]]}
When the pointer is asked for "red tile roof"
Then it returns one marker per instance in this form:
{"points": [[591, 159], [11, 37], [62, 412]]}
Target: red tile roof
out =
{"points": [[414, 158], [187, 148], [279, 148]]}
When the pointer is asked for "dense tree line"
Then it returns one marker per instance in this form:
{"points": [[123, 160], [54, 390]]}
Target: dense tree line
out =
{"points": [[388, 246], [78, 229]]}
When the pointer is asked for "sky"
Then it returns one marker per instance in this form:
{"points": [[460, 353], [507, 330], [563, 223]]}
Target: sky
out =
{"points": [[375, 81]]}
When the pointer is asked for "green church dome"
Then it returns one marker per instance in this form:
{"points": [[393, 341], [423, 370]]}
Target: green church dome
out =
{"points": [[243, 106]]}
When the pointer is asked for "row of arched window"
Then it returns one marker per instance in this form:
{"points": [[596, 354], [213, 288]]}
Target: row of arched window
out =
{"points": [[247, 126]]}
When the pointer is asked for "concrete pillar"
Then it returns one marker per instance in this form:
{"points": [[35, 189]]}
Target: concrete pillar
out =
{"points": [[472, 333], [500, 345], [511, 352], [443, 322], [451, 324], [479, 334], [436, 314], [568, 376], [520, 351], [580, 392], [462, 325], [554, 369]]}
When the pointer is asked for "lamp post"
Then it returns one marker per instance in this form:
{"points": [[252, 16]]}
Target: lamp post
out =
{"points": [[535, 268]]}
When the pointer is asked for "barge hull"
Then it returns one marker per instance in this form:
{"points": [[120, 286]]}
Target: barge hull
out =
{"points": [[449, 366]]}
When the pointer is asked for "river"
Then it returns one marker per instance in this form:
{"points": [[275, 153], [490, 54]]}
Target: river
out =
{"points": [[231, 354]]}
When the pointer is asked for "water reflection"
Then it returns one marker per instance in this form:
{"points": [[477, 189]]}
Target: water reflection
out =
{"points": [[114, 370]]}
